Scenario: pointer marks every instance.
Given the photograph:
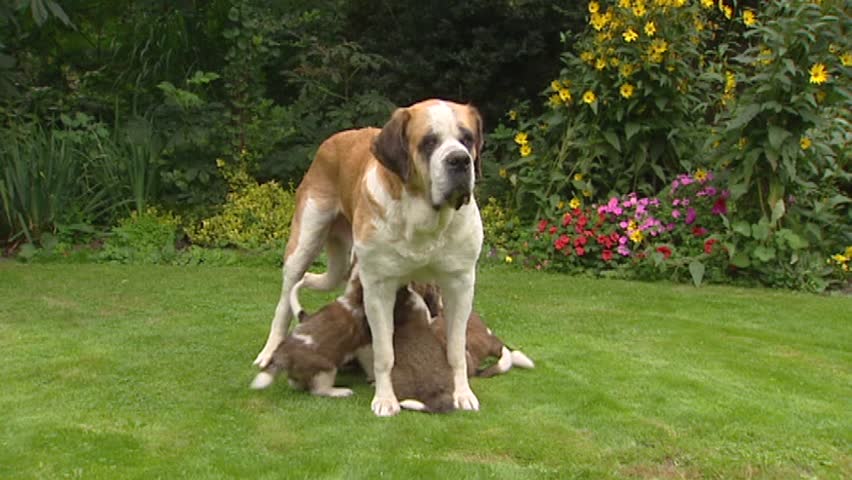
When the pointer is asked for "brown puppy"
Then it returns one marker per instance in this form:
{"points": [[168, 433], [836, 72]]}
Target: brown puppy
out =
{"points": [[422, 377], [481, 343], [321, 343]]}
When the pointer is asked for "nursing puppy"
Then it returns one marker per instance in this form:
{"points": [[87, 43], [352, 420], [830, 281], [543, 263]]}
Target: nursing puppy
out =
{"points": [[421, 376], [481, 343], [401, 198], [321, 344]]}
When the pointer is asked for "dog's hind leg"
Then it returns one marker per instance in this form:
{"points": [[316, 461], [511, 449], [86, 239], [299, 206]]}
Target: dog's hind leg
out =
{"points": [[323, 385], [308, 234], [339, 251]]}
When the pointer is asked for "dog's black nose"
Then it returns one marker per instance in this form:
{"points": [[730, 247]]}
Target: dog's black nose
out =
{"points": [[458, 160]]}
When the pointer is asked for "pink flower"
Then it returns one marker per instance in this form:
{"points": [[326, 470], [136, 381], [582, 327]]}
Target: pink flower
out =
{"points": [[720, 207], [690, 216], [675, 213], [623, 250]]}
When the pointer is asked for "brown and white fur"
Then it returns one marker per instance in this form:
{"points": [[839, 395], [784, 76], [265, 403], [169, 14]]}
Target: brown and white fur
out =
{"points": [[481, 344], [321, 344], [402, 198]]}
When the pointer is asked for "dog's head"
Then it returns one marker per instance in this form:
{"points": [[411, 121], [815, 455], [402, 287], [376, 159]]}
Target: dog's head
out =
{"points": [[434, 146]]}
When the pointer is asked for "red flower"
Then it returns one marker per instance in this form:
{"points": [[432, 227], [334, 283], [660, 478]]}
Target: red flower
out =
{"points": [[699, 231], [606, 255], [579, 242], [553, 230], [708, 245], [580, 251], [542, 226], [582, 221], [561, 242], [720, 207], [567, 219], [613, 236], [666, 251]]}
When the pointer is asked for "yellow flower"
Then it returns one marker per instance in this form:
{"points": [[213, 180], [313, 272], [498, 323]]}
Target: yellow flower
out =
{"points": [[521, 138], [560, 205], [630, 35], [833, 48], [707, 3], [503, 173], [626, 90], [555, 101], [575, 203], [526, 150], [555, 85], [589, 97], [636, 236], [730, 81], [819, 74], [728, 11], [631, 225], [650, 29], [508, 259], [846, 59], [839, 258], [679, 3], [587, 193], [594, 7], [624, 3], [600, 64], [700, 175], [614, 61], [639, 9], [578, 177], [749, 18], [220, 163], [766, 56], [848, 252], [587, 57], [513, 115], [627, 69], [599, 21], [658, 45], [565, 95], [805, 142]]}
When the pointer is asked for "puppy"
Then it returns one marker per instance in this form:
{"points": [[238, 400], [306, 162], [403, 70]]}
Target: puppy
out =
{"points": [[481, 342], [321, 343], [421, 376]]}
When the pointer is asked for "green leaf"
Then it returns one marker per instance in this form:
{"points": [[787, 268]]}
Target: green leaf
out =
{"points": [[760, 230], [696, 269], [743, 228], [778, 210], [777, 135], [764, 254], [740, 260], [632, 128], [743, 116], [612, 139]]}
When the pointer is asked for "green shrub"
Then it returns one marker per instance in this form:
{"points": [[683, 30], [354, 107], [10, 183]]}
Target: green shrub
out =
{"points": [[254, 216], [147, 237]]}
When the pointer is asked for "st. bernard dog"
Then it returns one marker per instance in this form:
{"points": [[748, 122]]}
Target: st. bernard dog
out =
{"points": [[402, 197]]}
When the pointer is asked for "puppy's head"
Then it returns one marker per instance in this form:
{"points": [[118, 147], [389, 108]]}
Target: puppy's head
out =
{"points": [[434, 146]]}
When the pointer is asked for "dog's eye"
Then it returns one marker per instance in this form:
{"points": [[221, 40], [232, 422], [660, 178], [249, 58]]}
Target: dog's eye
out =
{"points": [[429, 142], [466, 139]]}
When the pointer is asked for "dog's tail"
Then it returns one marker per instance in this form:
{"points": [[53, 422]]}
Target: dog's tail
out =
{"points": [[508, 359], [298, 311], [442, 403]]}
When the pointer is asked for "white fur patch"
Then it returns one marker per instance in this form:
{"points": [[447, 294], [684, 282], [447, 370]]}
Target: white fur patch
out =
{"points": [[521, 360], [505, 362], [262, 380], [306, 339]]}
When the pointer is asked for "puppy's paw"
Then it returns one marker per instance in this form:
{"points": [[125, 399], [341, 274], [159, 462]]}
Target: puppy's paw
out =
{"points": [[385, 406], [338, 392], [465, 400]]}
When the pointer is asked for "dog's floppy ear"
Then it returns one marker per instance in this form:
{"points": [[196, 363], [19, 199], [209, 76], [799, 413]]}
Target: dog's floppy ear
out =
{"points": [[391, 146], [478, 141]]}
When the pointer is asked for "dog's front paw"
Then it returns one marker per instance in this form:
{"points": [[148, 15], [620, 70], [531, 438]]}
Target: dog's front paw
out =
{"points": [[465, 400], [385, 406], [334, 392], [265, 355]]}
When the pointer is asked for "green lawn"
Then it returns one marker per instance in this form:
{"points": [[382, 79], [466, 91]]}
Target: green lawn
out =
{"points": [[142, 372]]}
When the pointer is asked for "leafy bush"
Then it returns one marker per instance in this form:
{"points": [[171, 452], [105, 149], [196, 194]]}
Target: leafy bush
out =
{"points": [[254, 215], [147, 237]]}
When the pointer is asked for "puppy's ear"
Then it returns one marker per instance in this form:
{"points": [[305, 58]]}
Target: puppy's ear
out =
{"points": [[478, 141], [391, 146]]}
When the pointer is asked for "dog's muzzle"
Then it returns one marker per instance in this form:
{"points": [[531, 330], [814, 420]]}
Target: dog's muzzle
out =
{"points": [[458, 182]]}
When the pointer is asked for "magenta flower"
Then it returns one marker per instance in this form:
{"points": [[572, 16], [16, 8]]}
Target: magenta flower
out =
{"points": [[720, 207], [690, 216], [623, 250]]}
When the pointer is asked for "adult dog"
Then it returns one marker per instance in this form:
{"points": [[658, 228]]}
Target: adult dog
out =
{"points": [[401, 196]]}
